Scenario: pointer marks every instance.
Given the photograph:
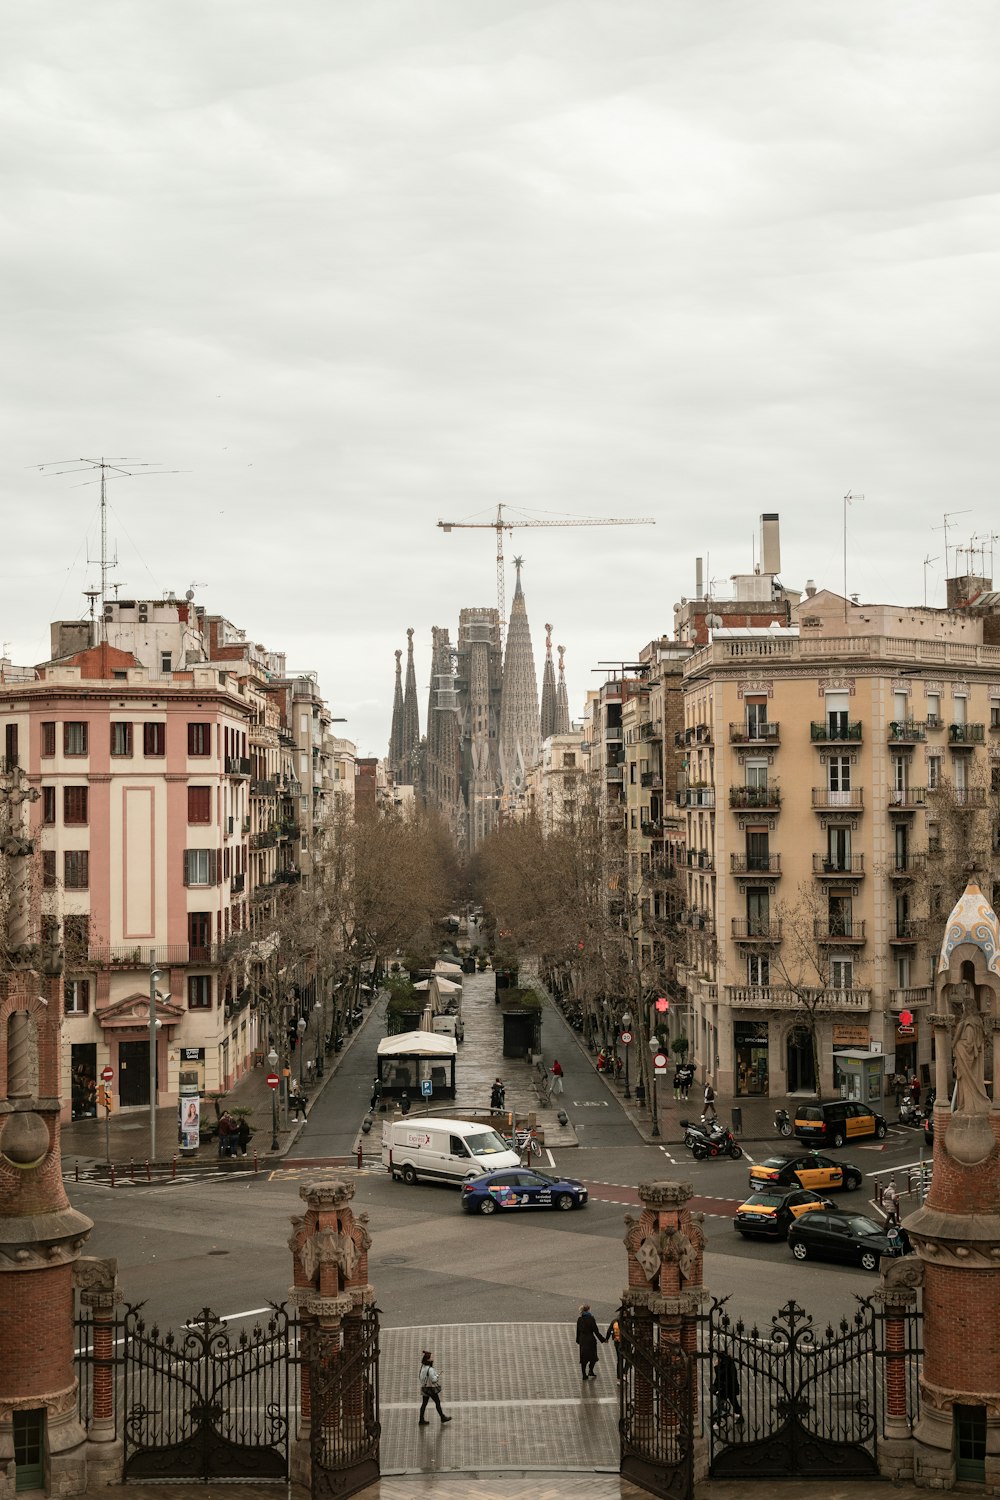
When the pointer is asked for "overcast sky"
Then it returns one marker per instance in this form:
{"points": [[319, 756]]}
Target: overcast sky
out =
{"points": [[354, 266]]}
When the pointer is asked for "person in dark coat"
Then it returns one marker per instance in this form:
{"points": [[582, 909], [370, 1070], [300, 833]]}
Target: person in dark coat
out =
{"points": [[725, 1389], [588, 1336], [243, 1134], [497, 1097], [404, 1103]]}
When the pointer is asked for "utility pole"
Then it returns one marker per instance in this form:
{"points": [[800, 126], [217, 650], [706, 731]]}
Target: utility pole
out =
{"points": [[154, 975]]}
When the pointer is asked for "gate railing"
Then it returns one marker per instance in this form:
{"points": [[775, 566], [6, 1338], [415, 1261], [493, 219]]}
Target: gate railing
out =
{"points": [[344, 1402], [657, 1397]]}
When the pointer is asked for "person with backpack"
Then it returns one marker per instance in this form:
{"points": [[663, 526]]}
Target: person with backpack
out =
{"points": [[430, 1388]]}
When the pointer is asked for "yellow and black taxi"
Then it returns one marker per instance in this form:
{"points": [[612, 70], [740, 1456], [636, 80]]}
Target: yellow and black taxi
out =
{"points": [[838, 1122], [808, 1169], [772, 1211]]}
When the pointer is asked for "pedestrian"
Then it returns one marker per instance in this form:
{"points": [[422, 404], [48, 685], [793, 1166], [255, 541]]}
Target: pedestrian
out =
{"points": [[890, 1205], [915, 1090], [430, 1388], [602, 1060], [376, 1095], [404, 1103], [588, 1336], [225, 1134], [557, 1077], [244, 1135], [497, 1096], [297, 1102], [687, 1078], [678, 1080], [613, 1335], [725, 1389], [708, 1107]]}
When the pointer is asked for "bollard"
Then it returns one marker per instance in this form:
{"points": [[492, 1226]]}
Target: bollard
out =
{"points": [[173, 1169], [131, 1168], [149, 1175], [359, 1156], [76, 1170], [255, 1164], [112, 1174]]}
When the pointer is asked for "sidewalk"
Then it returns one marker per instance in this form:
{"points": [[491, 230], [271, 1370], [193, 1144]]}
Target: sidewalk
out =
{"points": [[83, 1141]]}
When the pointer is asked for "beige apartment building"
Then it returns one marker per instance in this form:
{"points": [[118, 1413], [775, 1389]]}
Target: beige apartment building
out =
{"points": [[818, 754]]}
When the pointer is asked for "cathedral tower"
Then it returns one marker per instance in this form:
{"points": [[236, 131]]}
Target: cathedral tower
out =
{"points": [[563, 725], [548, 689], [520, 748], [411, 718], [396, 736]]}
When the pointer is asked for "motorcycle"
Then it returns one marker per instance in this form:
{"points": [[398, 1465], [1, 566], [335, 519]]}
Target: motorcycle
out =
{"points": [[782, 1122], [707, 1140], [910, 1113]]}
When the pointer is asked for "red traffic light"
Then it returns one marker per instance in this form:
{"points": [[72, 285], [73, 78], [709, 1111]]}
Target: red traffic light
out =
{"points": [[906, 1018], [662, 1004]]}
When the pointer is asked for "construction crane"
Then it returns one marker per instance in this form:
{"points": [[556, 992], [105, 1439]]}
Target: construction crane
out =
{"points": [[501, 524]]}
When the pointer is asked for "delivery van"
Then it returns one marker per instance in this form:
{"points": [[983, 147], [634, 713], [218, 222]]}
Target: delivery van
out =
{"points": [[434, 1150]]}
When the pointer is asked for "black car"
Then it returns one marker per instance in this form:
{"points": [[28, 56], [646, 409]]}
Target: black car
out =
{"points": [[837, 1122], [840, 1236]]}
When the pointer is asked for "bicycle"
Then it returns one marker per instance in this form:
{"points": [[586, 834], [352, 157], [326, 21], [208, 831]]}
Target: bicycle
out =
{"points": [[524, 1142]]}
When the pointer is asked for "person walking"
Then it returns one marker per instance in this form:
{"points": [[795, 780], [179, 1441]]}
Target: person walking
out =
{"points": [[915, 1091], [227, 1127], [404, 1103], [708, 1107], [613, 1335], [890, 1205], [678, 1080], [588, 1336], [497, 1096], [376, 1095], [725, 1389], [557, 1077], [297, 1102], [430, 1388], [687, 1078], [244, 1135]]}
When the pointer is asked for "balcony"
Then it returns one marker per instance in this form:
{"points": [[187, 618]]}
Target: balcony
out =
{"points": [[970, 796], [908, 931], [237, 765], [649, 731], [263, 788], [614, 773], [831, 732], [696, 796], [652, 779], [776, 997], [288, 829], [237, 884], [759, 798], [753, 734], [824, 799], [263, 840], [833, 868], [906, 732], [908, 998], [755, 930], [906, 866], [908, 799], [651, 830], [288, 877], [833, 931], [143, 956], [966, 736], [700, 859], [755, 866]]}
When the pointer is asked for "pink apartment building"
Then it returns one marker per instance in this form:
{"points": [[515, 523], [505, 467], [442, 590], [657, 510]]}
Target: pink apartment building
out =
{"points": [[142, 825]]}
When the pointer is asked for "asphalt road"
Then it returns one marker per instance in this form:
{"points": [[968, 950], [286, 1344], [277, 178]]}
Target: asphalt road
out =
{"points": [[223, 1242]]}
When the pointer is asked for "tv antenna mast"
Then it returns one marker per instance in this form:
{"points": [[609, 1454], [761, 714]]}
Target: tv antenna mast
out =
{"points": [[946, 519], [927, 562], [115, 468], [501, 524]]}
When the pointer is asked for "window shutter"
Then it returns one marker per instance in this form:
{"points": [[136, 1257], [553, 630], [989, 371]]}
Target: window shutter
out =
{"points": [[214, 867], [187, 866]]}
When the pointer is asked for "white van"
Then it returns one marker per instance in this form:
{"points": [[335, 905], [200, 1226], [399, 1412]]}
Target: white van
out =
{"points": [[433, 1150]]}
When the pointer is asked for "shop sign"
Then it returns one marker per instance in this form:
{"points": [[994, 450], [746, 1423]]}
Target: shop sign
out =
{"points": [[750, 1033], [907, 1033], [850, 1036]]}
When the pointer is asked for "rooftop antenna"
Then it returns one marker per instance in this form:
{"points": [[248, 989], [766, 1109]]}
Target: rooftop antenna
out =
{"points": [[115, 468], [946, 518], [847, 501], [927, 562]]}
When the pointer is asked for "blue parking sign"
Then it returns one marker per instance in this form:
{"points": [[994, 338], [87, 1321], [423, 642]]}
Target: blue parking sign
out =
{"points": [[426, 1088]]}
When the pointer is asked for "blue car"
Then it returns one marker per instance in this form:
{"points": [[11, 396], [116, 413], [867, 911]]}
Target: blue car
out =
{"points": [[518, 1187]]}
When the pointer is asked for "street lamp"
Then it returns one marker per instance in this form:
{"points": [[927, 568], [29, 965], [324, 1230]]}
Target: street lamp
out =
{"points": [[318, 1015], [272, 1062], [154, 975], [626, 1023], [300, 1027], [654, 1047]]}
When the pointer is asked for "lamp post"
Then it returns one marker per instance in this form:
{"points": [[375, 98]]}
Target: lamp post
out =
{"points": [[654, 1047], [318, 1016], [154, 975], [272, 1062], [626, 1023], [300, 1027]]}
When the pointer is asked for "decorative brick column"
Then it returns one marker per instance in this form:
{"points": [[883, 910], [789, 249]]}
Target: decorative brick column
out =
{"points": [[665, 1247], [40, 1236], [97, 1285], [329, 1245], [957, 1231]]}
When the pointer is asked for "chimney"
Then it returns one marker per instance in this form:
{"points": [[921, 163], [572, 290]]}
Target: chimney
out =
{"points": [[810, 588], [770, 543], [699, 586]]}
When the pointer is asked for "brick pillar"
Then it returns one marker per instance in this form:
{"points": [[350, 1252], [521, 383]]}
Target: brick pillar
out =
{"points": [[40, 1235], [665, 1247], [329, 1246], [97, 1287]]}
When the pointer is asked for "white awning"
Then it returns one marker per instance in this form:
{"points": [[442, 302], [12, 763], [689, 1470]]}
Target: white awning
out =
{"points": [[418, 1044], [441, 967]]}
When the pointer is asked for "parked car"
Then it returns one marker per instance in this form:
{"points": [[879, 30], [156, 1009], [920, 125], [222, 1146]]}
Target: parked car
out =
{"points": [[808, 1169], [521, 1189], [839, 1236], [835, 1123], [772, 1211]]}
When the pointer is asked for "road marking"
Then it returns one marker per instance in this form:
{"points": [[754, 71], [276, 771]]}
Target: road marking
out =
{"points": [[699, 1203], [751, 1159], [668, 1156], [552, 1160], [906, 1166]]}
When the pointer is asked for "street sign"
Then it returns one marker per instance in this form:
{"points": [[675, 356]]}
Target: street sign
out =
{"points": [[107, 1074], [660, 1062], [626, 1038], [426, 1088], [272, 1080]]}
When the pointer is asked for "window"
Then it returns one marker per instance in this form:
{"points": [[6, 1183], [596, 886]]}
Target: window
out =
{"points": [[959, 778], [756, 718], [839, 916], [49, 738], [837, 709], [959, 709], [200, 866], [758, 969], [903, 971], [48, 804], [758, 853], [838, 849], [900, 772], [10, 746], [154, 739], [166, 661], [76, 869], [756, 773], [75, 738], [121, 739], [76, 997], [199, 739], [48, 869], [933, 772], [758, 913], [900, 707], [995, 713], [199, 804], [838, 773], [842, 973], [75, 804], [569, 760], [933, 708], [933, 838], [200, 935], [200, 992], [77, 938]]}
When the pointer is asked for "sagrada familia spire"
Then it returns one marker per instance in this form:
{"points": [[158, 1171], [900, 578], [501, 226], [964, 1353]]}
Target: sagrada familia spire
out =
{"points": [[409, 720], [396, 736], [562, 697], [520, 747], [548, 724]]}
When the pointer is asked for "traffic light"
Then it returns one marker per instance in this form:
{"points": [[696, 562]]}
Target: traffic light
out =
{"points": [[104, 1100]]}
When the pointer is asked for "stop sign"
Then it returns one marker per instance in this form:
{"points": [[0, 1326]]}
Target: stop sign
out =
{"points": [[107, 1074], [272, 1080]]}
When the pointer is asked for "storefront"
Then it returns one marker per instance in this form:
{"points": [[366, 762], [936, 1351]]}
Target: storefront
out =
{"points": [[845, 1036], [907, 1038], [750, 1047], [83, 1069]]}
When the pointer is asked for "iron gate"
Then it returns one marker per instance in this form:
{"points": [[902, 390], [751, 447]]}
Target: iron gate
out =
{"points": [[343, 1385], [199, 1406], [656, 1414], [793, 1399]]}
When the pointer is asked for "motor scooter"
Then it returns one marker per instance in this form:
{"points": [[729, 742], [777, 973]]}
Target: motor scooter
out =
{"points": [[910, 1113], [783, 1122], [708, 1140]]}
